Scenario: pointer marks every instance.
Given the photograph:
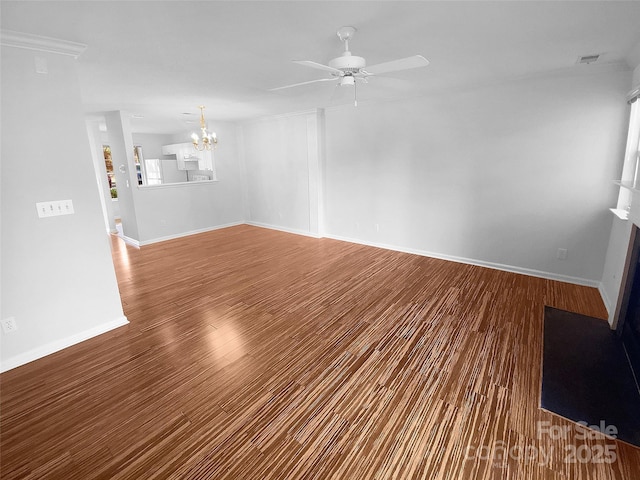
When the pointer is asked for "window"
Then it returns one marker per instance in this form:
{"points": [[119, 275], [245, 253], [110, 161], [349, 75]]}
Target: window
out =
{"points": [[630, 180], [111, 176], [154, 173], [137, 158]]}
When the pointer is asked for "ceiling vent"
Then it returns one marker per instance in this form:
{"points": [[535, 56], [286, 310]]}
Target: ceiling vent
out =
{"points": [[588, 59]]}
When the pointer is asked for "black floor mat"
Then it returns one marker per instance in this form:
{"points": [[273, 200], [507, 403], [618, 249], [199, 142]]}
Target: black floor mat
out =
{"points": [[586, 375]]}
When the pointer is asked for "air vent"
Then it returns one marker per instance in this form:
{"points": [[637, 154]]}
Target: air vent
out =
{"points": [[588, 59]]}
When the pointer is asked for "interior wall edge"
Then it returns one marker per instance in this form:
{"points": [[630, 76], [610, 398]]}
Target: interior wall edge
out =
{"points": [[605, 299], [282, 229], [130, 241]]}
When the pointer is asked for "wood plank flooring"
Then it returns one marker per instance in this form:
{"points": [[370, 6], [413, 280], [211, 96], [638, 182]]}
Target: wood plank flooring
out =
{"points": [[256, 354]]}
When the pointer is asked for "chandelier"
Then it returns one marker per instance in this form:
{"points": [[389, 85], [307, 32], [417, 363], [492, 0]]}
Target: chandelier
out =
{"points": [[209, 140]]}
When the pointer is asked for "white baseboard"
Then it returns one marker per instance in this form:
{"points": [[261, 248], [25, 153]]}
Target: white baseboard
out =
{"points": [[606, 301], [190, 232], [283, 229], [61, 344], [470, 261], [130, 241]]}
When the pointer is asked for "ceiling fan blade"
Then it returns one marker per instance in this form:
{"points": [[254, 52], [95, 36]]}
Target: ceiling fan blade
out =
{"points": [[319, 66], [303, 83], [396, 65]]}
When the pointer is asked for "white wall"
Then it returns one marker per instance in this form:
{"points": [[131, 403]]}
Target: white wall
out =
{"points": [[503, 175], [175, 210], [160, 212], [281, 158], [46, 283]]}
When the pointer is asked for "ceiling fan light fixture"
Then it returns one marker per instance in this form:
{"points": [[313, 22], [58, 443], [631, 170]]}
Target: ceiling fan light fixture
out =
{"points": [[347, 80]]}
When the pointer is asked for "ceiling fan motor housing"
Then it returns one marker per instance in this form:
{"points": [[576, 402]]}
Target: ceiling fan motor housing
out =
{"points": [[348, 63]]}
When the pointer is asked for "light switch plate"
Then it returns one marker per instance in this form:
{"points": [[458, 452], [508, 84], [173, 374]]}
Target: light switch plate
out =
{"points": [[9, 325], [55, 208]]}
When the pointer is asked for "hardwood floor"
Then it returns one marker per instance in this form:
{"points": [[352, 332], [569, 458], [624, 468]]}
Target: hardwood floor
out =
{"points": [[256, 354]]}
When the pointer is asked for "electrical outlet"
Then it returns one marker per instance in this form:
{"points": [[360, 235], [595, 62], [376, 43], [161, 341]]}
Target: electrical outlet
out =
{"points": [[377, 227], [562, 254], [9, 325]]}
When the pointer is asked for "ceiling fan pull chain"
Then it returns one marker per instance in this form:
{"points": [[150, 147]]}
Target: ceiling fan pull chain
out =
{"points": [[355, 93]]}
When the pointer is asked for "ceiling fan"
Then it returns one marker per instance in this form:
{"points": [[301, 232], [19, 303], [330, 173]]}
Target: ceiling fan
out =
{"points": [[348, 69]]}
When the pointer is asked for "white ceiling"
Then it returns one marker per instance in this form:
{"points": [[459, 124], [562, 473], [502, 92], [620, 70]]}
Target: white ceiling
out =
{"points": [[161, 58]]}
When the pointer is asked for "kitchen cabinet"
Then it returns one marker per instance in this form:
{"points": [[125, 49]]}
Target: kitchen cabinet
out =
{"points": [[189, 158]]}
